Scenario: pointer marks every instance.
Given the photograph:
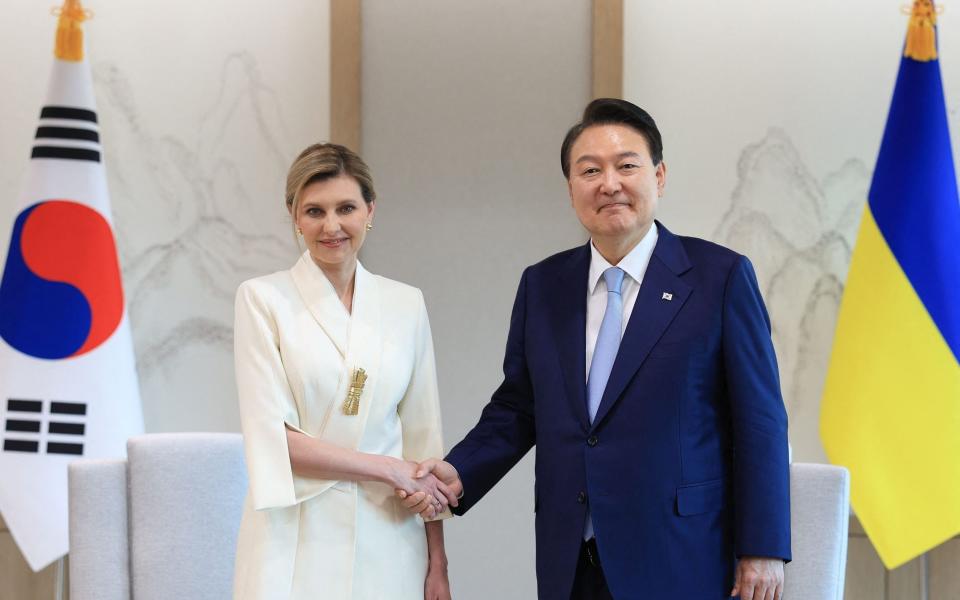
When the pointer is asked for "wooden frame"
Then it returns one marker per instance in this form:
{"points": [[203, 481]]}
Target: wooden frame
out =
{"points": [[606, 57], [345, 55], [345, 63]]}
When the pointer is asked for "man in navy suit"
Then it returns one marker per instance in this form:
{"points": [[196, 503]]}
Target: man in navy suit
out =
{"points": [[641, 366]]}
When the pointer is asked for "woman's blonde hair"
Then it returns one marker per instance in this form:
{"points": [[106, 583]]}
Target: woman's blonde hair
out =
{"points": [[320, 162]]}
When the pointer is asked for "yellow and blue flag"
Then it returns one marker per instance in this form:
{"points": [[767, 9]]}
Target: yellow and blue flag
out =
{"points": [[891, 403]]}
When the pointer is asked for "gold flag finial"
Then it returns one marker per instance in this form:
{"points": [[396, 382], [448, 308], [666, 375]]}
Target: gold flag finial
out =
{"points": [[70, 30], [921, 32]]}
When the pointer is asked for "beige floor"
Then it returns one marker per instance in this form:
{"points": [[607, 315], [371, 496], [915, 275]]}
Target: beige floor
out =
{"points": [[867, 579], [17, 581]]}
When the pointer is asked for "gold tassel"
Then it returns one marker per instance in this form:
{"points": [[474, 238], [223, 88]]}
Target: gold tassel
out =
{"points": [[70, 31], [921, 33], [351, 405]]}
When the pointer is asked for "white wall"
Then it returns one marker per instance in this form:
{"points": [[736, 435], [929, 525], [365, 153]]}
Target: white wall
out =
{"points": [[772, 114], [465, 104], [202, 107]]}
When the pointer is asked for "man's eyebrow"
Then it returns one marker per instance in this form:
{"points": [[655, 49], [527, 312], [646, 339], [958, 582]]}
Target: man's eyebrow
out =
{"points": [[622, 155]]}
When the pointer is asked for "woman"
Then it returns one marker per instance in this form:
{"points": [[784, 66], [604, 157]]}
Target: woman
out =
{"points": [[338, 400]]}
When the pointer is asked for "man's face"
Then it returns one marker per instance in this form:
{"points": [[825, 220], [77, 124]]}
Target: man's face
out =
{"points": [[614, 186]]}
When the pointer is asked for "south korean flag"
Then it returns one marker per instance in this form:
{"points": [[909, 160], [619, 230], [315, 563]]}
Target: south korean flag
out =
{"points": [[68, 383]]}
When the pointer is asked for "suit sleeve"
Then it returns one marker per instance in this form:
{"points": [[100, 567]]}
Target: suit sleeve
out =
{"points": [[506, 429], [761, 485], [267, 406], [419, 409]]}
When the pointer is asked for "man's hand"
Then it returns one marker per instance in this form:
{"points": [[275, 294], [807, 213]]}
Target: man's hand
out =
{"points": [[422, 503], [432, 493], [758, 578], [445, 472]]}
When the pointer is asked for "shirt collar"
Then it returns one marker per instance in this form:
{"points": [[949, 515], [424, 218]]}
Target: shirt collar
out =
{"points": [[634, 264]]}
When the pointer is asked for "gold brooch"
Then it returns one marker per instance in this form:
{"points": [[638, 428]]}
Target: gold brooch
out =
{"points": [[351, 405]]}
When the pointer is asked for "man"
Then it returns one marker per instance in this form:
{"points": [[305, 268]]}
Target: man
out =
{"points": [[641, 366]]}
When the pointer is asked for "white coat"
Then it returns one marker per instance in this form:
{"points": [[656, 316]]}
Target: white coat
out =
{"points": [[296, 347]]}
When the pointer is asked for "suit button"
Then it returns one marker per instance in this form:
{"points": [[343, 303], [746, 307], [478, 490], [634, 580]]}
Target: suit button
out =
{"points": [[582, 497], [592, 441]]}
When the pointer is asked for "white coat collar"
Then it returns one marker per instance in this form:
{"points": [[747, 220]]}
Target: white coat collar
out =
{"points": [[357, 337]]}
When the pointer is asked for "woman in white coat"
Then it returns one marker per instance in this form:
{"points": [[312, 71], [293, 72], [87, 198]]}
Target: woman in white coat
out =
{"points": [[338, 403]]}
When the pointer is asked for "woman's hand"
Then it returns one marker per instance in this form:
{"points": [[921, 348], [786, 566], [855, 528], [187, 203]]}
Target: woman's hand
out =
{"points": [[437, 585], [436, 495], [451, 486]]}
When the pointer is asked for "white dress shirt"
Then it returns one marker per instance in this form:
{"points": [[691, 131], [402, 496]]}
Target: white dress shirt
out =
{"points": [[634, 265]]}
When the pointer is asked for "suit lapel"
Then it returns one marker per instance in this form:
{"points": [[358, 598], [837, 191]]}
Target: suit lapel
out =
{"points": [[570, 325], [363, 352], [321, 300], [356, 335], [652, 314]]}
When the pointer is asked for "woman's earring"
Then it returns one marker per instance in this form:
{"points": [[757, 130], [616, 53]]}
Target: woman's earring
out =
{"points": [[299, 232], [369, 226]]}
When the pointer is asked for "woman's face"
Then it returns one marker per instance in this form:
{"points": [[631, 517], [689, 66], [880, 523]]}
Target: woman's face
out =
{"points": [[333, 217]]}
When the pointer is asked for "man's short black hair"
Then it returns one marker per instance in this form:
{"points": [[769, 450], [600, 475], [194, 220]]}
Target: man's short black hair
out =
{"points": [[613, 111]]}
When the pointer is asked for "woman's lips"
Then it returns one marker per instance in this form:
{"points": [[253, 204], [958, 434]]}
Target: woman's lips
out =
{"points": [[332, 243]]}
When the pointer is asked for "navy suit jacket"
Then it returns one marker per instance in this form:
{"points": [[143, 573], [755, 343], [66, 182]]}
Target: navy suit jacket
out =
{"points": [[685, 466]]}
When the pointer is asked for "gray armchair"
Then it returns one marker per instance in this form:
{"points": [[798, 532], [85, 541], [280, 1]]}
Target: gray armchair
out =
{"points": [[819, 517], [162, 524]]}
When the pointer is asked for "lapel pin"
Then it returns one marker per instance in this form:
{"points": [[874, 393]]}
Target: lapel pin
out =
{"points": [[667, 296]]}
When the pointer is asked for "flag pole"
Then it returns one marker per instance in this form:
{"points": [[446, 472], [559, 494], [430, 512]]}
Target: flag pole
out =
{"points": [[69, 46], [58, 592]]}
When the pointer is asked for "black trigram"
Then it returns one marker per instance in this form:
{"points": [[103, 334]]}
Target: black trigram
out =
{"points": [[68, 133], [26, 420]]}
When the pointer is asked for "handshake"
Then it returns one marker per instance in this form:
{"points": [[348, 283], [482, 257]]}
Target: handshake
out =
{"points": [[427, 488]]}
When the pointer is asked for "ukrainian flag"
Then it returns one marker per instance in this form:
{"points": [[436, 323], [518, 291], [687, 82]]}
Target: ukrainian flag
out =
{"points": [[891, 404]]}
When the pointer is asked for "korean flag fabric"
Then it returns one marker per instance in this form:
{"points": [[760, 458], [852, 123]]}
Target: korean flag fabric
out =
{"points": [[68, 383]]}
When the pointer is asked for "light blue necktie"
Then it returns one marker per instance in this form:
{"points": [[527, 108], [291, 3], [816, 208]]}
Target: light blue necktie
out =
{"points": [[604, 353]]}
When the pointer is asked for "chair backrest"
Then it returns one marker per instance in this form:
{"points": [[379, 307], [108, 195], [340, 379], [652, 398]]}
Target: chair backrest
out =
{"points": [[164, 523], [167, 518], [99, 542], [819, 518]]}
